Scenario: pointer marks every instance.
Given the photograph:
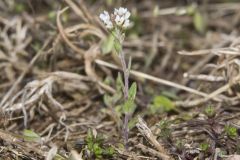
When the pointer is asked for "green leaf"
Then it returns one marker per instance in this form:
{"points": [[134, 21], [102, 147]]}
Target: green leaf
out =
{"points": [[108, 44], [120, 146], [116, 97], [107, 100], [29, 135], [161, 104], [119, 110], [59, 157], [133, 91], [204, 146], [95, 144], [209, 111], [231, 131], [117, 46], [132, 123], [199, 22], [120, 84], [109, 151], [129, 106], [191, 9], [165, 131], [179, 144], [97, 150]]}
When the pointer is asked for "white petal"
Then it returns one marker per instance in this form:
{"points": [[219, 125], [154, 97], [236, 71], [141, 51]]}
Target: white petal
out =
{"points": [[115, 11], [127, 15], [126, 23], [105, 17], [119, 20], [109, 25], [122, 20], [106, 14], [102, 16], [122, 10]]}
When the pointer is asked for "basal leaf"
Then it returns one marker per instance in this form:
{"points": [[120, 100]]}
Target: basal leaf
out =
{"points": [[161, 104], [30, 135]]}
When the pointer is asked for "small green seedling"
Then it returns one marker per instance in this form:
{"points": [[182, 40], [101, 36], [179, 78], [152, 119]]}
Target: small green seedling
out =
{"points": [[209, 111], [96, 147], [161, 104], [204, 146], [231, 131], [179, 144], [164, 126]]}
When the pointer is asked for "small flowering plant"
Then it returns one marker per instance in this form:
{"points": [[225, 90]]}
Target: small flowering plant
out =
{"points": [[117, 23]]}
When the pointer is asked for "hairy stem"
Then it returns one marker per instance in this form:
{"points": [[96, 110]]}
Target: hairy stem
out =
{"points": [[125, 130], [125, 91], [120, 38], [125, 74]]}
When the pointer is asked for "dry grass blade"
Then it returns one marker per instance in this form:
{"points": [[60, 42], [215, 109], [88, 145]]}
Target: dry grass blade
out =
{"points": [[155, 79], [147, 133], [226, 70], [76, 9], [149, 150], [75, 155], [203, 77], [20, 78], [64, 36], [194, 53], [18, 141], [212, 95]]}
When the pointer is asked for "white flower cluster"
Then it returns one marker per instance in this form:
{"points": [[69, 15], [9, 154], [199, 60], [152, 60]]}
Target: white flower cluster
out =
{"points": [[120, 18], [105, 17]]}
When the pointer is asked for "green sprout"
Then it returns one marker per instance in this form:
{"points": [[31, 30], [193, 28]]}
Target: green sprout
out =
{"points": [[164, 126], [96, 147], [231, 131], [209, 111], [204, 146]]}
